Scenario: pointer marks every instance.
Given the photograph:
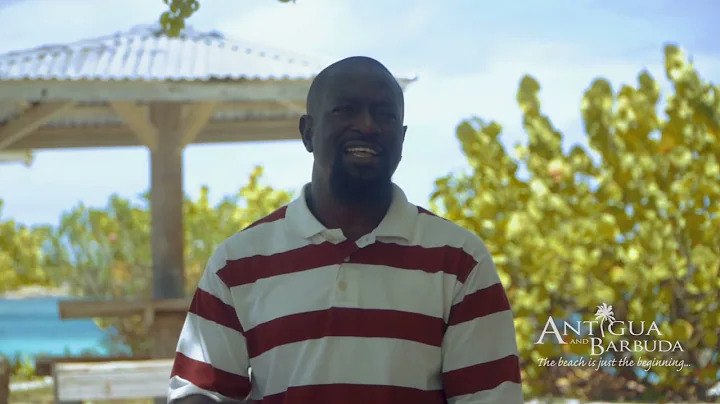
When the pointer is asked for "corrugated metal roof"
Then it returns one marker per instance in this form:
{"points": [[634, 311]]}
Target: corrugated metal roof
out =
{"points": [[144, 53]]}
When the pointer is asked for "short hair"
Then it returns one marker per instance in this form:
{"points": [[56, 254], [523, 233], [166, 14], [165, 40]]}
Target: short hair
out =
{"points": [[317, 87]]}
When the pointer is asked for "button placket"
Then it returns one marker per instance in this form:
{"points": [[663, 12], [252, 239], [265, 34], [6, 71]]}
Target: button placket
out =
{"points": [[344, 295], [341, 284]]}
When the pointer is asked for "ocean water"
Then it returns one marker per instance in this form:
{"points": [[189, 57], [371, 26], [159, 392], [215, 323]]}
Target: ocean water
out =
{"points": [[32, 326]]}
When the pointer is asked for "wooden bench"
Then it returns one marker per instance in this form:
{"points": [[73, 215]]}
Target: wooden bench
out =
{"points": [[44, 365], [117, 380]]}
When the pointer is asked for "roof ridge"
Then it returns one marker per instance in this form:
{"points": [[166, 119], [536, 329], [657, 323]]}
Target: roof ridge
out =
{"points": [[148, 31]]}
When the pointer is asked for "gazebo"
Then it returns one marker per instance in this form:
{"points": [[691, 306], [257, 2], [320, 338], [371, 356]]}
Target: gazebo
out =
{"points": [[141, 88]]}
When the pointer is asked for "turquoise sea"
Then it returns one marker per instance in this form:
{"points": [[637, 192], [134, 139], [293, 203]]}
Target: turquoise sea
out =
{"points": [[33, 326]]}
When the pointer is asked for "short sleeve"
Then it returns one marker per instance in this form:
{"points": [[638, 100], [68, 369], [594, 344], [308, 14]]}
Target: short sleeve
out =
{"points": [[211, 357]]}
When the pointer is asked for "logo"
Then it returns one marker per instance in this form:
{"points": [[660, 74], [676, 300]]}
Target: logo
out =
{"points": [[633, 337]]}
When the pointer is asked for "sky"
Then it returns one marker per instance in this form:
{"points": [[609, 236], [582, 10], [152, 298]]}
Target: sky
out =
{"points": [[468, 55]]}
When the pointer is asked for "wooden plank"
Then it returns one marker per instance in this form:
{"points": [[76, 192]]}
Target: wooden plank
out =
{"points": [[44, 364], [31, 119], [137, 119], [119, 308], [112, 381], [154, 91], [253, 130]]}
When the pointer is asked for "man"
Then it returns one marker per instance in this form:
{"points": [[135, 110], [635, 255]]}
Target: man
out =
{"points": [[350, 294]]}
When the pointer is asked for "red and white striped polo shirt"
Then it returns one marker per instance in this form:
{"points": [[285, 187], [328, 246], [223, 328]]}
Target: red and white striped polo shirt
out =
{"points": [[413, 312]]}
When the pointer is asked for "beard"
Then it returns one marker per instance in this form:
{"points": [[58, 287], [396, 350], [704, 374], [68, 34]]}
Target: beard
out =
{"points": [[350, 189]]}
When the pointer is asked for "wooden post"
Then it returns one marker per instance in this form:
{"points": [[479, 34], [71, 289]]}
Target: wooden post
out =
{"points": [[4, 380], [166, 203], [166, 206]]}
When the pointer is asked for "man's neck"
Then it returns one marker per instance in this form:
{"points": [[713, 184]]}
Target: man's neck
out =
{"points": [[354, 220]]}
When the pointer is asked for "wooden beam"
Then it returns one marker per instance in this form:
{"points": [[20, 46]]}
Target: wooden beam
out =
{"points": [[154, 91], [294, 106], [195, 118], [255, 130], [31, 119], [103, 112], [137, 119], [71, 309], [111, 380]]}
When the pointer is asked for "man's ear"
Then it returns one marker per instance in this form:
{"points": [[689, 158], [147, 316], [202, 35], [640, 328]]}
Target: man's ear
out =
{"points": [[305, 127]]}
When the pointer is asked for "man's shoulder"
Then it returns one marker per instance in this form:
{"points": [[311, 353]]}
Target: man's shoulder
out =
{"points": [[253, 240]]}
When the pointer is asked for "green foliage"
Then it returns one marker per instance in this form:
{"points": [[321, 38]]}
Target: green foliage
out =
{"points": [[637, 227], [21, 260], [173, 20], [22, 368]]}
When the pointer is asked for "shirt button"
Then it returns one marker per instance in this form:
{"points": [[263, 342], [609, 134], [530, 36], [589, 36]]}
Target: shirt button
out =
{"points": [[347, 259], [342, 286]]}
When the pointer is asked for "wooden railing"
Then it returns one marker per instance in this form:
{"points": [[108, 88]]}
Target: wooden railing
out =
{"points": [[162, 318]]}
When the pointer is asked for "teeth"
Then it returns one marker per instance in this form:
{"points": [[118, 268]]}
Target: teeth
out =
{"points": [[361, 149]]}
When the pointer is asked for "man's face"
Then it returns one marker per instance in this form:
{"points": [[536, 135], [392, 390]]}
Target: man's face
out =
{"points": [[358, 133]]}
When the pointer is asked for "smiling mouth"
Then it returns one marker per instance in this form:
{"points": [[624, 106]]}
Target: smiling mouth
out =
{"points": [[362, 152]]}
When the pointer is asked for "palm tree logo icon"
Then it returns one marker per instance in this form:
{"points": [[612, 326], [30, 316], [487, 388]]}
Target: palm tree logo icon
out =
{"points": [[604, 312]]}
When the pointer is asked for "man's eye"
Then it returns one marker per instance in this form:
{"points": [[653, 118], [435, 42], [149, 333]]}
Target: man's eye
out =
{"points": [[342, 109]]}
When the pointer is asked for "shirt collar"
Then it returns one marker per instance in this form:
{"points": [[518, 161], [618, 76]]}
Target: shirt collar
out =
{"points": [[399, 221]]}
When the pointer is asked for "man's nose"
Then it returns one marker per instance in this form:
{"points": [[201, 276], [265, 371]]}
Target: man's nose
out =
{"points": [[366, 124]]}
